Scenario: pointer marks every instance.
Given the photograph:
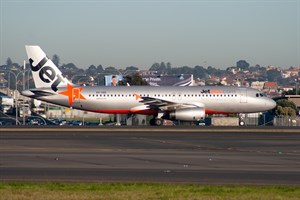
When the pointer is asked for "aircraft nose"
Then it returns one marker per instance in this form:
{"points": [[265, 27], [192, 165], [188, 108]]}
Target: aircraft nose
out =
{"points": [[270, 104]]}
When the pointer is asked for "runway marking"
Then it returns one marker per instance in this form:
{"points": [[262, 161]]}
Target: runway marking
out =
{"points": [[211, 130]]}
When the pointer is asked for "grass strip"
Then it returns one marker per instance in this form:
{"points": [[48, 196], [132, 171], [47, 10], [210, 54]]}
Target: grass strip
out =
{"points": [[115, 191]]}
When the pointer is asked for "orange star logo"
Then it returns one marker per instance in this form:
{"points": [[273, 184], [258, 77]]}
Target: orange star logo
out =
{"points": [[137, 96], [73, 93]]}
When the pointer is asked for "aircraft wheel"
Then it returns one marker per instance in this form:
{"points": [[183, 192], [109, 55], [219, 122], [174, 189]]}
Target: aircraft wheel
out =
{"points": [[242, 123], [158, 122], [152, 122]]}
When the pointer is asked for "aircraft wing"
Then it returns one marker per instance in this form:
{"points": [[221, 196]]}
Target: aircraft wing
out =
{"points": [[155, 103]]}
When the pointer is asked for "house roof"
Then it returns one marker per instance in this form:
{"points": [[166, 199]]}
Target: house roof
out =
{"points": [[270, 84]]}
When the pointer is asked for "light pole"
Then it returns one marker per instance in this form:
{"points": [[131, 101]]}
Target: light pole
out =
{"points": [[16, 102], [296, 86], [24, 66], [16, 78]]}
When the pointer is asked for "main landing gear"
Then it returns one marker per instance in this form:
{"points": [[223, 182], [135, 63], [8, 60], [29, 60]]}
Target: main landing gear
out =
{"points": [[156, 121]]}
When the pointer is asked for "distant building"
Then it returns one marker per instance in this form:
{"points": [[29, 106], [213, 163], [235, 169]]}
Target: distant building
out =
{"points": [[287, 87], [270, 87], [290, 72], [147, 72], [234, 70], [3, 81], [259, 85], [228, 80], [273, 68]]}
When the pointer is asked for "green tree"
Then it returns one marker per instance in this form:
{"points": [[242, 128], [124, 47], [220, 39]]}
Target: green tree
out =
{"points": [[242, 64], [100, 69], [9, 62], [69, 67], [285, 107], [162, 68], [56, 60], [92, 70], [169, 67], [133, 79], [154, 67], [273, 75], [111, 70], [69, 70], [131, 68]]}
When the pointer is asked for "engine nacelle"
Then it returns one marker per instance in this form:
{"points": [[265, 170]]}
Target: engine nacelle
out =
{"points": [[188, 114]]}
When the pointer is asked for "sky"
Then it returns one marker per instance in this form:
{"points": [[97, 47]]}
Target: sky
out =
{"points": [[139, 33]]}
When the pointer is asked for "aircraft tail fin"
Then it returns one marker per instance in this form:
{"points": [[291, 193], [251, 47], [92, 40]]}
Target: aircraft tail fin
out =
{"points": [[45, 73]]}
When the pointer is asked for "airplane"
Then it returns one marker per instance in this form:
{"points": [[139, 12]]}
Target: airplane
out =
{"points": [[184, 103]]}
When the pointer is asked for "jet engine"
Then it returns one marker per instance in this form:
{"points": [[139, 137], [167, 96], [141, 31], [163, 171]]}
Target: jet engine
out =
{"points": [[187, 114]]}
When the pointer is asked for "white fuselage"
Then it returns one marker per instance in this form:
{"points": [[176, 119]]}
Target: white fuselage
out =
{"points": [[121, 99]]}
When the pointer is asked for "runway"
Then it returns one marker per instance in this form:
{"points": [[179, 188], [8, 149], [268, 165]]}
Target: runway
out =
{"points": [[249, 156]]}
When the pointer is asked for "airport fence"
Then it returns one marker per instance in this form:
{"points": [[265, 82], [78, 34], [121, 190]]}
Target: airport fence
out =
{"points": [[286, 121], [272, 121]]}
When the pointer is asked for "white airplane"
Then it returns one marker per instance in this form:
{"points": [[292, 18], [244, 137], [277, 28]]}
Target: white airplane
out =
{"points": [[164, 102]]}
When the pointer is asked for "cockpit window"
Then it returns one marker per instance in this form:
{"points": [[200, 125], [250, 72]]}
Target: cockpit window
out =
{"points": [[257, 95]]}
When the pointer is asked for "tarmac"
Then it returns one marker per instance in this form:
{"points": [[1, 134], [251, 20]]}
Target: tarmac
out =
{"points": [[196, 155]]}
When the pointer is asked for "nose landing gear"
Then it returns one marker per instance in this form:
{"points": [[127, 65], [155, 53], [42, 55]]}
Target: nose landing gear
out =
{"points": [[242, 119]]}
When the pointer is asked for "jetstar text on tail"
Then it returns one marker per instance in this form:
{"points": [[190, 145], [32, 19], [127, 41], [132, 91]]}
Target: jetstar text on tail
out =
{"points": [[46, 73]]}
